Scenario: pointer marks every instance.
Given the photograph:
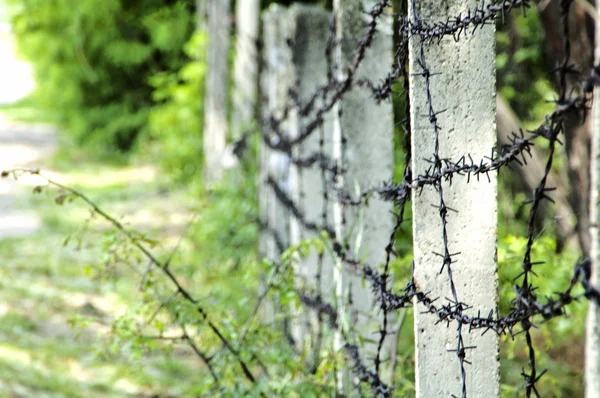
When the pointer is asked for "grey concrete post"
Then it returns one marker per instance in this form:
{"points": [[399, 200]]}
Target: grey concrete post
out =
{"points": [[215, 105], [275, 83], [201, 12], [592, 349], [465, 89], [246, 65], [308, 31], [363, 144]]}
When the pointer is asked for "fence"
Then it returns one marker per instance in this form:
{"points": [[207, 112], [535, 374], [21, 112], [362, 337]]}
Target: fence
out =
{"points": [[326, 177], [327, 164]]}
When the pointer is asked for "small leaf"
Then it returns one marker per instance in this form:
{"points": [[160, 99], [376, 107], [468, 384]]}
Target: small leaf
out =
{"points": [[150, 242], [60, 199]]}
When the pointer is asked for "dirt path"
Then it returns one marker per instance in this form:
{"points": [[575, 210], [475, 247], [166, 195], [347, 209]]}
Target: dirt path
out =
{"points": [[27, 146], [21, 145]]}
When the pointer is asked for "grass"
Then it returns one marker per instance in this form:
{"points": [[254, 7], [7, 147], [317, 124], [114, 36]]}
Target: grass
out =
{"points": [[45, 288]]}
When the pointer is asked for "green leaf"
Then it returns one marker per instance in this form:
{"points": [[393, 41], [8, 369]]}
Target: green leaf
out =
{"points": [[60, 199]]}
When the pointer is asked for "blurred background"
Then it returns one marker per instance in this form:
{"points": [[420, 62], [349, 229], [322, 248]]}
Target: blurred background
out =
{"points": [[108, 96]]}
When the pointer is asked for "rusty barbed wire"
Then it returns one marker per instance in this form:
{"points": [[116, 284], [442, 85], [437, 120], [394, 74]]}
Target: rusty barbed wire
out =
{"points": [[526, 308], [336, 89], [526, 305]]}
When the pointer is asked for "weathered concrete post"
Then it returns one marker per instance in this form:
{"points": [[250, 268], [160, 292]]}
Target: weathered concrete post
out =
{"points": [[275, 83], [201, 12], [465, 90], [363, 145], [592, 350], [215, 119], [308, 28], [246, 65]]}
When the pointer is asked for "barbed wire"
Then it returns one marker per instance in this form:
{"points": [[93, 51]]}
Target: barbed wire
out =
{"points": [[525, 305]]}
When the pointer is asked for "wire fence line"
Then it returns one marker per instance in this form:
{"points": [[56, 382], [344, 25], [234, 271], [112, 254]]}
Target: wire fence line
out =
{"points": [[302, 138], [526, 304]]}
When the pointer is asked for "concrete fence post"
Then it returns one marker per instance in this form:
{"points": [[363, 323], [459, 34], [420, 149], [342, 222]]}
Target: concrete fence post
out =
{"points": [[275, 83], [295, 42], [592, 350], [275, 165], [217, 76], [363, 146], [308, 31], [462, 87], [201, 11], [364, 143], [246, 65]]}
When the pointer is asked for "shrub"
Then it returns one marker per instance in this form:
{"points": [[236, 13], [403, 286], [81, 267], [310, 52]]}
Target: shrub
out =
{"points": [[174, 133], [93, 61]]}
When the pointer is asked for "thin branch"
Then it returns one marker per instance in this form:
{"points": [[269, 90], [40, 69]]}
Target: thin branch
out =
{"points": [[134, 240]]}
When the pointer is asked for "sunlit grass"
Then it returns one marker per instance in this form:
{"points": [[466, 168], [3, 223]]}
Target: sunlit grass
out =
{"points": [[45, 286]]}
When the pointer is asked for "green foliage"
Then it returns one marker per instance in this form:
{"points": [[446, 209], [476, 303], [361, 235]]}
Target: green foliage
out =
{"points": [[174, 133], [559, 342], [93, 61], [523, 77]]}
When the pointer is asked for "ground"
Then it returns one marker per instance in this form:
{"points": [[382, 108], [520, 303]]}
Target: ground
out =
{"points": [[45, 287]]}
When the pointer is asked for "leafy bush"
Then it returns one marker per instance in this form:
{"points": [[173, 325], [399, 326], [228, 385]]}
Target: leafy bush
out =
{"points": [[175, 122], [559, 344], [523, 68], [93, 61]]}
